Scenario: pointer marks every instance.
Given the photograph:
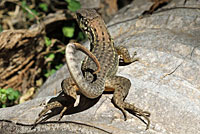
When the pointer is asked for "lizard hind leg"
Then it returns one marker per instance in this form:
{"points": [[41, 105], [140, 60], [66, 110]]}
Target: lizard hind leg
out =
{"points": [[121, 88]]}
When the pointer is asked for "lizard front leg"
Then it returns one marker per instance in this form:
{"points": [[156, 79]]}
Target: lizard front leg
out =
{"points": [[121, 86], [124, 55]]}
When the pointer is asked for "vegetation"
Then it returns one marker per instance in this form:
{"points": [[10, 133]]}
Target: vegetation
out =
{"points": [[8, 97]]}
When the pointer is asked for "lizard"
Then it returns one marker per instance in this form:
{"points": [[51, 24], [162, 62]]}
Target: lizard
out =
{"points": [[93, 79]]}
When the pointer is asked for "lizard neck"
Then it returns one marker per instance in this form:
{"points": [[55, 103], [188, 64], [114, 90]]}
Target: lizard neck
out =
{"points": [[97, 33]]}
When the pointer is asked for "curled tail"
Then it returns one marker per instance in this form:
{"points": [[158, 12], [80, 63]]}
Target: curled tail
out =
{"points": [[90, 90]]}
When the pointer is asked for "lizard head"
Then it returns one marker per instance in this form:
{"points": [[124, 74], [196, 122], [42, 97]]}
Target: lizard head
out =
{"points": [[85, 17], [90, 23], [93, 26]]}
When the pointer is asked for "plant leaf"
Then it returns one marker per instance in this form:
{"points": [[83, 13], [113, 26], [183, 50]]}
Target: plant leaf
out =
{"points": [[81, 36], [49, 73], [2, 91], [73, 5], [68, 31], [4, 106], [3, 98], [1, 28], [59, 66], [47, 41], [43, 6]]}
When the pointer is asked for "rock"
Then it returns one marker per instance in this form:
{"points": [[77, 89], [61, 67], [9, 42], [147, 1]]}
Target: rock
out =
{"points": [[165, 81]]}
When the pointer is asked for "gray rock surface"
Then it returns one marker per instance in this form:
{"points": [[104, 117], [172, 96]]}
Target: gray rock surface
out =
{"points": [[167, 42]]}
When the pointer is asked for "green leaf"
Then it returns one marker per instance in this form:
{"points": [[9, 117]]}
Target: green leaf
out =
{"points": [[16, 94], [8, 96], [43, 6], [1, 28], [2, 91], [3, 98], [81, 36], [59, 66], [4, 106], [51, 56], [24, 6], [68, 1], [73, 5], [68, 31], [11, 97], [47, 41], [49, 73], [31, 16], [12, 94], [9, 91]]}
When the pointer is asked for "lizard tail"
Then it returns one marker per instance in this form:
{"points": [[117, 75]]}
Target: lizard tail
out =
{"points": [[90, 90]]}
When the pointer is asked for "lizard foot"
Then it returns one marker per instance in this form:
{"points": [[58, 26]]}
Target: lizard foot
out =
{"points": [[53, 105], [48, 107], [124, 55], [134, 110], [139, 112]]}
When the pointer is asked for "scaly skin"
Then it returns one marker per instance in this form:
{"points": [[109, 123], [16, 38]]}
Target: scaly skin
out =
{"points": [[96, 76]]}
